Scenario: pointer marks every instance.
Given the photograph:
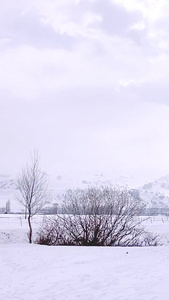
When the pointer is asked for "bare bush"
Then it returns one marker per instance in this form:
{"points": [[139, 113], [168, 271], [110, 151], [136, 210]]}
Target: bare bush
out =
{"points": [[52, 233], [103, 216]]}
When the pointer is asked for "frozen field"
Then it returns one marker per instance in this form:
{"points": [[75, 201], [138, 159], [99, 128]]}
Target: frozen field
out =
{"points": [[56, 273]]}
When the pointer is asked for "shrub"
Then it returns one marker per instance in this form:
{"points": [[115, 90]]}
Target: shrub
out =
{"points": [[103, 216]]}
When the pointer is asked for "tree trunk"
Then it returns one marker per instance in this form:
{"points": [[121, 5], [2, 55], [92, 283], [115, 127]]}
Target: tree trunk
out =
{"points": [[30, 230]]}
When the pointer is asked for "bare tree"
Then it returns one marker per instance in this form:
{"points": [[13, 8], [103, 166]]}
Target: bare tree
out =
{"points": [[32, 185], [97, 216]]}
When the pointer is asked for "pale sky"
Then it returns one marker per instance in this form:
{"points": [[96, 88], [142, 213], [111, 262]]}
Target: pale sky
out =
{"points": [[86, 83]]}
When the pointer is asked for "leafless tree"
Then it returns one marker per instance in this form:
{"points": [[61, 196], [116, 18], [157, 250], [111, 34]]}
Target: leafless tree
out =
{"points": [[32, 185], [97, 216], [7, 208]]}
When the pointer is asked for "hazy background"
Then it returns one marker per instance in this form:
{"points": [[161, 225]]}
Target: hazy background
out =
{"points": [[86, 84]]}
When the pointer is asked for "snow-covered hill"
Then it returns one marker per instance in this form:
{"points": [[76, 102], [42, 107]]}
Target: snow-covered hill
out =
{"points": [[7, 192], [7, 188], [155, 194], [6, 183]]}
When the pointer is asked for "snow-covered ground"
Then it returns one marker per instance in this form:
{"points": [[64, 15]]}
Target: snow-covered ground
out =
{"points": [[42, 272], [70, 273], [14, 228]]}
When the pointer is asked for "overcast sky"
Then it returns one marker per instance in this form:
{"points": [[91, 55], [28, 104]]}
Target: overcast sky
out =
{"points": [[86, 82]]}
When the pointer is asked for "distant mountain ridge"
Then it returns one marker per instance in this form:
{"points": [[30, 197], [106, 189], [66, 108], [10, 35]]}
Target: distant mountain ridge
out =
{"points": [[155, 194]]}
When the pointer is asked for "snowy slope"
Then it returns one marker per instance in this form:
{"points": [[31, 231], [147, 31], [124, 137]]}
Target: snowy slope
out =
{"points": [[6, 185], [156, 193], [7, 191]]}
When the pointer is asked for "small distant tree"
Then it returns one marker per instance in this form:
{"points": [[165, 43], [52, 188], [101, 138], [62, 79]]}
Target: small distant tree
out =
{"points": [[7, 208], [54, 209], [32, 185]]}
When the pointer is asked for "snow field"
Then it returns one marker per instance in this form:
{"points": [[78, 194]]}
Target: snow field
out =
{"points": [[40, 272], [14, 228], [85, 273]]}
